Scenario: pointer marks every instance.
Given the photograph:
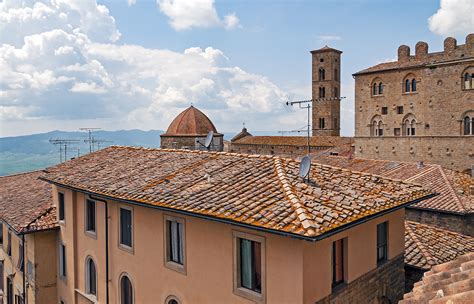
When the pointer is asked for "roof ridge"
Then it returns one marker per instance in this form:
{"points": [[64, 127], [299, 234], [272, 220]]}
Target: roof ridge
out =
{"points": [[20, 173], [450, 186], [25, 228], [303, 216], [429, 258]]}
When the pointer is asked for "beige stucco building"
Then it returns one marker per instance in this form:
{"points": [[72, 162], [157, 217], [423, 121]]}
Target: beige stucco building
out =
{"points": [[175, 227], [28, 237], [418, 108]]}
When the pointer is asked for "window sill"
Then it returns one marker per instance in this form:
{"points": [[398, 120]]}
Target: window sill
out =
{"points": [[379, 95], [410, 93], [176, 267], [126, 248], [91, 298], [249, 294], [91, 234]]}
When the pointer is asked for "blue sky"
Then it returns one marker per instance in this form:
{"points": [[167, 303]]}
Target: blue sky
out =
{"points": [[135, 64]]}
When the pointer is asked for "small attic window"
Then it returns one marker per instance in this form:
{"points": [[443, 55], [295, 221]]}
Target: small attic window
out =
{"points": [[321, 60]]}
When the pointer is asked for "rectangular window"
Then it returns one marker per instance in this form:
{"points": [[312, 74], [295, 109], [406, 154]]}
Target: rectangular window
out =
{"points": [[61, 206], [90, 216], [9, 245], [126, 227], [62, 260], [18, 299], [175, 243], [396, 131], [384, 110], [249, 266], [321, 123], [400, 110], [20, 258], [338, 262], [382, 247]]}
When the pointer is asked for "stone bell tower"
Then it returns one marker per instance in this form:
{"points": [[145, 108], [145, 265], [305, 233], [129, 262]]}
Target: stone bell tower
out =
{"points": [[326, 87]]}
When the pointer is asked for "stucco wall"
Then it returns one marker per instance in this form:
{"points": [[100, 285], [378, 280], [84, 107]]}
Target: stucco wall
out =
{"points": [[45, 263], [296, 271]]}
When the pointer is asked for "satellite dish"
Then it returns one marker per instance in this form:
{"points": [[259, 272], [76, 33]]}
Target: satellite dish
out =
{"points": [[209, 137], [305, 165]]}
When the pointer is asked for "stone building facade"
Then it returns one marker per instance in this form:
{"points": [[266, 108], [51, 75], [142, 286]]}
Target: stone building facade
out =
{"points": [[419, 108], [189, 130], [326, 86]]}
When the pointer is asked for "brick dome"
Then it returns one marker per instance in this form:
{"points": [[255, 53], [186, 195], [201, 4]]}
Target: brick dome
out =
{"points": [[190, 122]]}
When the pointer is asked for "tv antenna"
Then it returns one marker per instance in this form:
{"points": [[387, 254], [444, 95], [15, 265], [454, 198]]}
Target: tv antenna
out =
{"points": [[305, 166], [90, 140], [208, 140], [63, 144], [307, 104], [98, 142]]}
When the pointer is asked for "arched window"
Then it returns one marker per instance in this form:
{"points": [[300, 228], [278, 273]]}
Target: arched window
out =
{"points": [[413, 85], [91, 277], [376, 126], [409, 125], [336, 92], [126, 291], [468, 78], [322, 74], [468, 123], [172, 300], [322, 92], [374, 89], [407, 86], [380, 88], [336, 74]]}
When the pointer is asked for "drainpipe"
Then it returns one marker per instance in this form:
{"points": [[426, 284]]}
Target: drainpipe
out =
{"points": [[25, 300], [106, 246]]}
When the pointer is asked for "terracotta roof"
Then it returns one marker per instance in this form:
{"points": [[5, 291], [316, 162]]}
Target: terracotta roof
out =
{"points": [[426, 245], [325, 49], [241, 134], [447, 283], [190, 122], [26, 203], [255, 190], [315, 141], [452, 186]]}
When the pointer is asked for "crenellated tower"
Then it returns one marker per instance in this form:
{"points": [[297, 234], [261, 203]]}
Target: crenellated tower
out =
{"points": [[326, 88]]}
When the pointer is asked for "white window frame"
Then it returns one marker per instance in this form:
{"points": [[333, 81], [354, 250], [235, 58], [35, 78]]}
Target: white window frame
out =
{"points": [[241, 291], [167, 261]]}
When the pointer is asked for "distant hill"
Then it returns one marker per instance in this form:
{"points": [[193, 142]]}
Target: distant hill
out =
{"points": [[34, 152]]}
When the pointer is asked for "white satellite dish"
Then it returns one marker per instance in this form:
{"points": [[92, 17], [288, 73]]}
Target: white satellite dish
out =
{"points": [[208, 141], [305, 166]]}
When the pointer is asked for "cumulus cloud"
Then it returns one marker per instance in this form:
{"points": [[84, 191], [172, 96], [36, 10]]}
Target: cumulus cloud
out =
{"points": [[329, 38], [62, 72], [185, 14], [454, 17]]}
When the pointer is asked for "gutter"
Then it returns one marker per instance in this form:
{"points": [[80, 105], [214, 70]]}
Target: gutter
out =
{"points": [[106, 245], [25, 299], [248, 226]]}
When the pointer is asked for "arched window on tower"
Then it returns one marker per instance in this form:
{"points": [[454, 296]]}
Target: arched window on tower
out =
{"points": [[336, 92], [468, 78], [407, 86], [322, 92], [380, 88], [322, 74], [468, 123], [413, 85], [374, 89]]}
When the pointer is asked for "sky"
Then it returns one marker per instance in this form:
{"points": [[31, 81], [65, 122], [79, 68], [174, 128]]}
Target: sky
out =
{"points": [[135, 64]]}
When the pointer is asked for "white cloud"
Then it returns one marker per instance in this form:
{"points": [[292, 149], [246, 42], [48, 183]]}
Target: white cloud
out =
{"points": [[329, 37], [62, 73], [131, 2], [185, 14], [454, 17]]}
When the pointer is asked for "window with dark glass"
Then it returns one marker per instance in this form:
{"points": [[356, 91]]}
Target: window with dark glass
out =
{"points": [[407, 85], [126, 227], [322, 92], [384, 110], [374, 89], [9, 245], [322, 74], [126, 291], [91, 277], [90, 216], [61, 206], [382, 246], [175, 246], [62, 260], [338, 262], [336, 92], [321, 123], [250, 265], [380, 88], [400, 110], [413, 85], [21, 263]]}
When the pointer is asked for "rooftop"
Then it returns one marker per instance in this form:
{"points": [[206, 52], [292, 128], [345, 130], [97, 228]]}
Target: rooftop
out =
{"points": [[190, 122], [315, 141], [451, 282], [426, 245], [453, 187], [26, 203], [255, 191]]}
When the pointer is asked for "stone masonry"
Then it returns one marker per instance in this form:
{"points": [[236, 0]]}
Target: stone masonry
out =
{"points": [[419, 108], [385, 284]]}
